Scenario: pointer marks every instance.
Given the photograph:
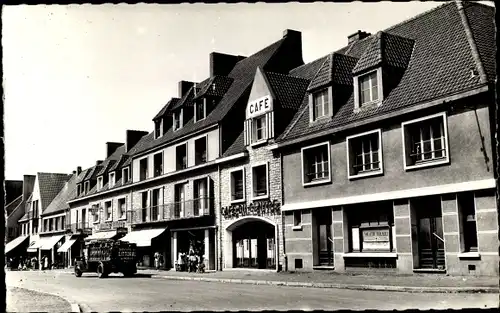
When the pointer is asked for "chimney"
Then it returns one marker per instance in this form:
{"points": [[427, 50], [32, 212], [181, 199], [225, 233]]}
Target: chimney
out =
{"points": [[184, 87], [357, 36], [222, 64], [28, 184], [111, 147], [74, 172], [98, 162], [132, 138], [78, 170]]}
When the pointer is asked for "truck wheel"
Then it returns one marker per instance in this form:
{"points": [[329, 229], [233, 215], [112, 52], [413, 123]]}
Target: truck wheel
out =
{"points": [[78, 272], [101, 271]]}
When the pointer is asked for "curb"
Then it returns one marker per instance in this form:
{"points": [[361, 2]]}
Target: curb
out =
{"points": [[75, 307], [339, 286]]}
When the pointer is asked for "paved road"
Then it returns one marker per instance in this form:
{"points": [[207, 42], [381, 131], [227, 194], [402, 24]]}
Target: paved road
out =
{"points": [[118, 293]]}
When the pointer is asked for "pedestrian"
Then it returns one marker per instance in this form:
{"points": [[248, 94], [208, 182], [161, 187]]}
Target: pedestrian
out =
{"points": [[157, 260], [192, 262]]}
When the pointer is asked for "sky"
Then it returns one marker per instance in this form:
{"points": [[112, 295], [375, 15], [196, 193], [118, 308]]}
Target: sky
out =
{"points": [[78, 76]]}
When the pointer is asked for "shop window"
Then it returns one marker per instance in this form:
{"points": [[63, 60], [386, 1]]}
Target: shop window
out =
{"points": [[467, 216], [321, 104], [260, 182], [112, 179], [426, 141], [181, 156], [126, 175], [158, 164], [259, 132], [316, 164], [237, 185], [200, 150], [364, 154], [122, 208], [371, 227], [100, 181], [143, 169], [107, 210], [297, 219]]}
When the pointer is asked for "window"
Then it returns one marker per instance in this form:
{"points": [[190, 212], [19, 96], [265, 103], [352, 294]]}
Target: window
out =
{"points": [[158, 164], [201, 197], [125, 175], [259, 128], [87, 187], [237, 186], [99, 183], [200, 109], [95, 215], [259, 182], [179, 199], [316, 164], [112, 179], [200, 150], [63, 222], [107, 211], [297, 218], [79, 189], [155, 205], [144, 205], [122, 208], [45, 225], [177, 119], [143, 169], [321, 104], [51, 224], [158, 128], [364, 154], [181, 156], [368, 88], [467, 217], [426, 141]]}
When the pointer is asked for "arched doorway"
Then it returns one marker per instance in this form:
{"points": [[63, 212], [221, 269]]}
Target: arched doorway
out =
{"points": [[251, 244]]}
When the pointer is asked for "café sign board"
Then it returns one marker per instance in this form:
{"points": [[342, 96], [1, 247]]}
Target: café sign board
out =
{"points": [[111, 225], [376, 239], [259, 106]]}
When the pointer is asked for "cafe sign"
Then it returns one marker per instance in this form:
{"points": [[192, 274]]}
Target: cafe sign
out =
{"points": [[111, 225], [376, 239], [254, 209], [259, 106]]}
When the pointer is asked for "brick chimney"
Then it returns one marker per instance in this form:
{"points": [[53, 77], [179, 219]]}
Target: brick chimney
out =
{"points": [[28, 184], [288, 55], [111, 147], [132, 138], [357, 36], [78, 170], [184, 87], [222, 64]]}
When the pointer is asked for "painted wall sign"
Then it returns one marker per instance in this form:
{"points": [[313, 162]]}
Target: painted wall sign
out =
{"points": [[254, 209], [111, 225], [259, 106]]}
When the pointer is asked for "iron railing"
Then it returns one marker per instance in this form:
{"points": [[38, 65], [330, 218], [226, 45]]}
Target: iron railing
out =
{"points": [[172, 211]]}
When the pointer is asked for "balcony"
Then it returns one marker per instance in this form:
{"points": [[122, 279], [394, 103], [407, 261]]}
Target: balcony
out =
{"points": [[82, 227], [173, 211]]}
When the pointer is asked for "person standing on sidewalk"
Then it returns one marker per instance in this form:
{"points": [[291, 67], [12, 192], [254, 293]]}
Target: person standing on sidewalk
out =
{"points": [[157, 260]]}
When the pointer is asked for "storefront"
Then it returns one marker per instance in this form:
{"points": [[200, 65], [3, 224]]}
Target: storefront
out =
{"points": [[149, 241], [199, 240]]}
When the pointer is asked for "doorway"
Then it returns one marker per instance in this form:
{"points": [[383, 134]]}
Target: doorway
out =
{"points": [[430, 233], [325, 238], [254, 246]]}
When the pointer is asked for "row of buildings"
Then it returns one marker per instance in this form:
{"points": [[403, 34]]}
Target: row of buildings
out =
{"points": [[378, 156]]}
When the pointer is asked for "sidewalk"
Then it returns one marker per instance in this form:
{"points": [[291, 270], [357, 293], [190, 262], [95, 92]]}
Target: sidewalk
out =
{"points": [[329, 279], [24, 300]]}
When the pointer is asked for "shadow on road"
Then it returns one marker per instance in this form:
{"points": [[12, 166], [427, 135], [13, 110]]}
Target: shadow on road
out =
{"points": [[94, 276]]}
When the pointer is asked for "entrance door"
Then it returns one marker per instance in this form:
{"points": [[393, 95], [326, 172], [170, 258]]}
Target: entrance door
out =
{"points": [[253, 246], [430, 235], [325, 238]]}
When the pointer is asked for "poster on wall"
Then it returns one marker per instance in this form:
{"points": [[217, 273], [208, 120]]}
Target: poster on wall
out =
{"points": [[376, 239]]}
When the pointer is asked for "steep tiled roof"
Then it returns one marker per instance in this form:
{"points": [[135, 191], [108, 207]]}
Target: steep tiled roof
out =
{"points": [[242, 75], [238, 146], [440, 65], [335, 69], [106, 165], [82, 175], [288, 90], [185, 100], [92, 172], [13, 204], [171, 103], [50, 184], [60, 202], [116, 165], [217, 86], [309, 70]]}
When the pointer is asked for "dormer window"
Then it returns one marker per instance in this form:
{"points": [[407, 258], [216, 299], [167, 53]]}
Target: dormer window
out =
{"points": [[259, 128], [158, 128], [111, 179], [368, 89], [87, 187], [177, 119], [100, 181], [320, 104], [200, 109], [125, 175]]}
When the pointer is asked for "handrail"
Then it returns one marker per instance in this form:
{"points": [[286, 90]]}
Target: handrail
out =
{"points": [[438, 237]]}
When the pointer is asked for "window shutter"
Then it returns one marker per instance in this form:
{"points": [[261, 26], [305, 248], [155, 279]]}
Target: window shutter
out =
{"points": [[271, 124], [311, 108], [250, 131], [245, 133]]}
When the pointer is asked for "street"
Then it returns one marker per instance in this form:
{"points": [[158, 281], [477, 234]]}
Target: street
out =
{"points": [[144, 293]]}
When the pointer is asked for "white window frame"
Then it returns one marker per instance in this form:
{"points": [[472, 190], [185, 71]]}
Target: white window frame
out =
{"points": [[253, 129], [127, 169], [97, 214], [206, 147], [461, 223], [100, 182], [162, 164], [110, 216], [86, 188], [196, 119], [187, 153], [325, 180], [124, 215], [357, 89], [147, 168], [181, 117], [266, 196], [239, 169], [299, 225], [312, 118], [112, 179], [432, 162], [380, 154]]}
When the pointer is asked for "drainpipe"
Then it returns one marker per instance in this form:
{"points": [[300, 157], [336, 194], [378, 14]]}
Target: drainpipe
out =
{"points": [[285, 258], [218, 228]]}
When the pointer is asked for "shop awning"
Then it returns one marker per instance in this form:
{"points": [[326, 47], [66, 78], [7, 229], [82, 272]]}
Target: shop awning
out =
{"points": [[14, 243], [102, 235], [35, 242], [142, 238], [49, 242], [66, 245]]}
